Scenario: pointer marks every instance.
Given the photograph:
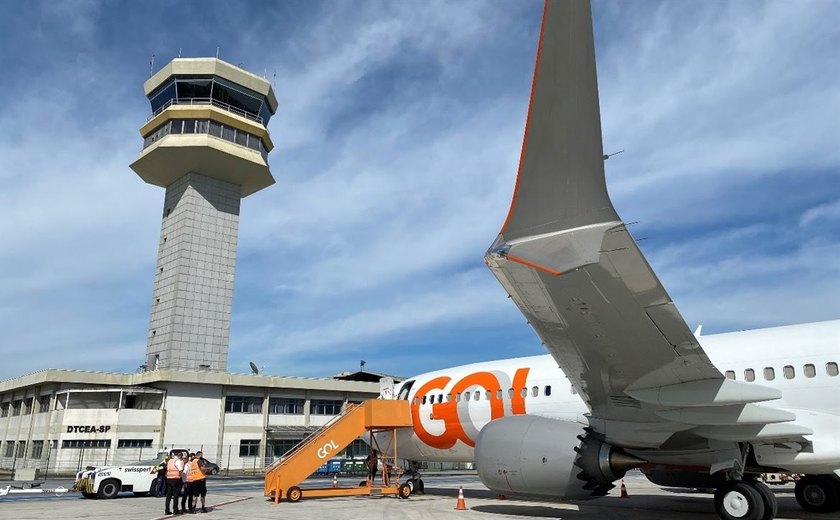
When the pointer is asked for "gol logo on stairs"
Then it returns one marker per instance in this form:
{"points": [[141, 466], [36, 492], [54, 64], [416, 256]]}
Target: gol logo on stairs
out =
{"points": [[328, 448]]}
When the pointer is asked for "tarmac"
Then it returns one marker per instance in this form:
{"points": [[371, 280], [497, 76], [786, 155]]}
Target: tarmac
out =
{"points": [[230, 498]]}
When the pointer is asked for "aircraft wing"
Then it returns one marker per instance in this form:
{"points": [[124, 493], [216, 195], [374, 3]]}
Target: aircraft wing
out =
{"points": [[574, 270]]}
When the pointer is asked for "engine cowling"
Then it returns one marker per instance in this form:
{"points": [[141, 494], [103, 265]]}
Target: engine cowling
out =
{"points": [[538, 456]]}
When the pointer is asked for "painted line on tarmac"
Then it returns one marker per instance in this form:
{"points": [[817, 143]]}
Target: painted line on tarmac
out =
{"points": [[211, 507]]}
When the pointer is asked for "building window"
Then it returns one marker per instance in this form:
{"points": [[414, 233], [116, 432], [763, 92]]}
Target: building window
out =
{"points": [[10, 449], [43, 403], [134, 443], [547, 390], [4, 409], [27, 405], [730, 374], [831, 368], [286, 406], [16, 407], [37, 449], [769, 373], [749, 375], [809, 370], [249, 447], [325, 407], [788, 372], [86, 443], [21, 449], [243, 404], [279, 447]]}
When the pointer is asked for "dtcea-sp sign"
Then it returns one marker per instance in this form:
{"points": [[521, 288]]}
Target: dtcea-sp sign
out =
{"points": [[88, 429]]}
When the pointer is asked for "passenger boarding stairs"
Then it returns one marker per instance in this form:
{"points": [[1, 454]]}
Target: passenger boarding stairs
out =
{"points": [[298, 464]]}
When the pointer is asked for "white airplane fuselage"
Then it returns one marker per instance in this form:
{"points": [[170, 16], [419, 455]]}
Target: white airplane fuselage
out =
{"points": [[450, 406]]}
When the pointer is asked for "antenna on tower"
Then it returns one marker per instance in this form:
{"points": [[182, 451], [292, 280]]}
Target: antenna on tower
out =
{"points": [[152, 65], [217, 52], [179, 52]]}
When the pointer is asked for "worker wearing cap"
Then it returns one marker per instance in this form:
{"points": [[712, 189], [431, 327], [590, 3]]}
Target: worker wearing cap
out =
{"points": [[174, 467]]}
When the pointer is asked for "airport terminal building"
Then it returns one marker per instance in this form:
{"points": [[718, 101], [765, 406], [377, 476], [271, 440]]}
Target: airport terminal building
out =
{"points": [[206, 142], [63, 420]]}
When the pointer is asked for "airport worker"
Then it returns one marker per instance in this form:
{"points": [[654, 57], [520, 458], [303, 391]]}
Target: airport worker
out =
{"points": [[187, 477], [160, 481], [371, 462], [199, 484], [174, 467]]}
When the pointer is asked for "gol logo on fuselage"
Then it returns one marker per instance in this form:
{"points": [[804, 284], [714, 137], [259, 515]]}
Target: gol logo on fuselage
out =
{"points": [[456, 419]]}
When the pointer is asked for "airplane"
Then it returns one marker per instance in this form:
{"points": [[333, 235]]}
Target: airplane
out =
{"points": [[626, 384]]}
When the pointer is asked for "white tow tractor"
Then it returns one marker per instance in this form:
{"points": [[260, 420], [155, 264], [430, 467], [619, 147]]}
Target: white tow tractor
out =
{"points": [[137, 477]]}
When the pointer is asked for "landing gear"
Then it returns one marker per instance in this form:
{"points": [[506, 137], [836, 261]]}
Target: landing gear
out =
{"points": [[818, 493], [739, 500], [771, 507]]}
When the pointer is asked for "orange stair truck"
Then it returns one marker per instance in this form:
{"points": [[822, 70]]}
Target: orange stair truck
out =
{"points": [[282, 478]]}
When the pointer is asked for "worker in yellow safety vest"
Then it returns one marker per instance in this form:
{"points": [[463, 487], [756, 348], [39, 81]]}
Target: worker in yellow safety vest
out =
{"points": [[199, 484], [174, 467]]}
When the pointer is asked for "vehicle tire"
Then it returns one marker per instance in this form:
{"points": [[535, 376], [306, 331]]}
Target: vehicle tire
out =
{"points": [[294, 494], [411, 483], [420, 487], [89, 495], [771, 506], [818, 494], [109, 488], [737, 500], [404, 491]]}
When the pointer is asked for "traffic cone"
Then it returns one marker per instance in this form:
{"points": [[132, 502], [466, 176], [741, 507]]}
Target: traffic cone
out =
{"points": [[335, 481], [623, 490], [461, 506]]}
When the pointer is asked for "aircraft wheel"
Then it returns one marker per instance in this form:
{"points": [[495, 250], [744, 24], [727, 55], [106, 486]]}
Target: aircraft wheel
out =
{"points": [[737, 500], [818, 493], [404, 491], [771, 507], [294, 494]]}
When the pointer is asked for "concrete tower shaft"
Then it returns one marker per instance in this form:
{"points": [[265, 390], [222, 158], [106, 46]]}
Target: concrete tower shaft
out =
{"points": [[206, 142]]}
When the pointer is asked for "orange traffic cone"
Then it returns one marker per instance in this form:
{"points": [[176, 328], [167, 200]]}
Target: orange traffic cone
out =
{"points": [[335, 481], [461, 506], [623, 490]]}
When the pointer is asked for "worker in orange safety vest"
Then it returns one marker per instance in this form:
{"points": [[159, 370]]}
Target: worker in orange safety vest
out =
{"points": [[199, 484], [174, 467]]}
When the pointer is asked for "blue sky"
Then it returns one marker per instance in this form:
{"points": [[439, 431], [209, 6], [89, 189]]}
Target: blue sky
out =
{"points": [[398, 134]]}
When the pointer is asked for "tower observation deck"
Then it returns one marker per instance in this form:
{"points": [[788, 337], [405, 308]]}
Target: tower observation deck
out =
{"points": [[206, 142]]}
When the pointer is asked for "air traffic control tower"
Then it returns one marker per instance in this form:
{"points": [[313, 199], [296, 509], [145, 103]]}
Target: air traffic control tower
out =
{"points": [[206, 142]]}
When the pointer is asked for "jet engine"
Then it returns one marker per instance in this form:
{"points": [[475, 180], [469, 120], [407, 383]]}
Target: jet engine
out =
{"points": [[537, 456]]}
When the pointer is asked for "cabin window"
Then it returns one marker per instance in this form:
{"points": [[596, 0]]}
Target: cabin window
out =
{"points": [[788, 372], [573, 390], [499, 394], [547, 390], [448, 398], [523, 392], [535, 391], [415, 401], [749, 375], [831, 368], [510, 393], [488, 394], [458, 397], [730, 374], [424, 399], [477, 395], [810, 370], [440, 398], [769, 373]]}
